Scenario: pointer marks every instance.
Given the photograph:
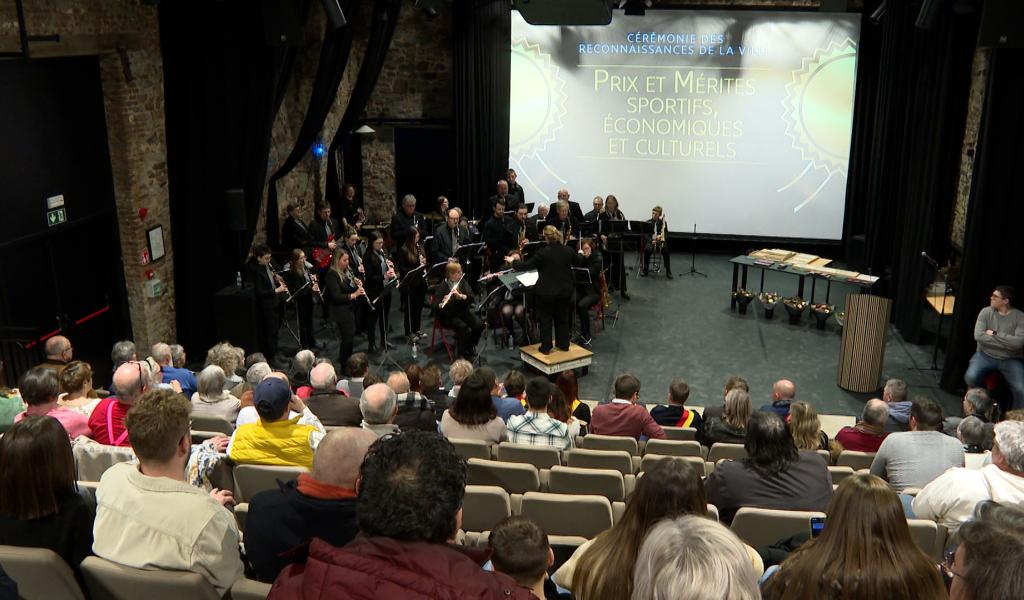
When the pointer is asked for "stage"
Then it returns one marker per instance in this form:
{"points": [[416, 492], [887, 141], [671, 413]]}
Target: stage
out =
{"points": [[684, 328]]}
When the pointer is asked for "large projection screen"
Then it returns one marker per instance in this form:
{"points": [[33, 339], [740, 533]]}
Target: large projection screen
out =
{"points": [[738, 122]]}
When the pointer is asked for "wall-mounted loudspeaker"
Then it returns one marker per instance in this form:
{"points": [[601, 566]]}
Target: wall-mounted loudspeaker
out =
{"points": [[565, 12]]}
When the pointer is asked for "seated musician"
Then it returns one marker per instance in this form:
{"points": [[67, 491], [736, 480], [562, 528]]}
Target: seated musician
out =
{"points": [[448, 237], [524, 229], [498, 235], [587, 295], [453, 306], [561, 220], [658, 242]]}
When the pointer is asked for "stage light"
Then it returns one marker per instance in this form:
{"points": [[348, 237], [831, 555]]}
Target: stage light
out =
{"points": [[318, 149]]}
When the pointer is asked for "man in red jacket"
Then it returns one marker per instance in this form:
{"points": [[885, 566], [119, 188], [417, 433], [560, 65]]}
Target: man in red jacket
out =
{"points": [[409, 507], [624, 415]]}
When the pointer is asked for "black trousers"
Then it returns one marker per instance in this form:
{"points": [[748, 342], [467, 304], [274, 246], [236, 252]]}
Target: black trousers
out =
{"points": [[648, 251], [467, 327], [583, 312], [555, 311], [616, 269], [346, 323], [267, 328], [412, 305], [304, 308], [382, 308]]}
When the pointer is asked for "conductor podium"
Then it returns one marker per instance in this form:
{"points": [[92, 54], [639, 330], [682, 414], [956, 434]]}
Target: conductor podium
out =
{"points": [[863, 347], [576, 357]]}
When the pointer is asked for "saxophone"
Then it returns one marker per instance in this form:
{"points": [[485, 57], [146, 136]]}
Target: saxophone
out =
{"points": [[658, 243]]}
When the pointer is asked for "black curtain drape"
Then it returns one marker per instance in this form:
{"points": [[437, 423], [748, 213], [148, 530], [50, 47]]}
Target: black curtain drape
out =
{"points": [[334, 54], [382, 31], [912, 102], [993, 244], [482, 69], [223, 85]]}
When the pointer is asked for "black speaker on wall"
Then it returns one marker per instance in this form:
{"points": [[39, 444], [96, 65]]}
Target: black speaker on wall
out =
{"points": [[565, 12], [1002, 24], [234, 210]]}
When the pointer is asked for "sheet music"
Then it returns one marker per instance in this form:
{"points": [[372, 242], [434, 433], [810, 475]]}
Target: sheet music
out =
{"points": [[528, 278]]}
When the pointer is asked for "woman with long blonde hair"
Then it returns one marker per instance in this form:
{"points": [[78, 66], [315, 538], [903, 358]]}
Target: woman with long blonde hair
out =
{"points": [[341, 289], [731, 427], [805, 426]]}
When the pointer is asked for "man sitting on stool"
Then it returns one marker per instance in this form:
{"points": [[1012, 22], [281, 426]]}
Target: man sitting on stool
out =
{"points": [[660, 238], [999, 332], [453, 302]]}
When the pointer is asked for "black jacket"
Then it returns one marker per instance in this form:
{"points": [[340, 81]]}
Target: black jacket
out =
{"points": [[499, 239], [295, 234], [441, 248], [456, 306], [321, 231], [554, 269], [337, 296], [564, 226], [401, 225], [592, 264], [263, 287], [68, 532], [373, 279]]}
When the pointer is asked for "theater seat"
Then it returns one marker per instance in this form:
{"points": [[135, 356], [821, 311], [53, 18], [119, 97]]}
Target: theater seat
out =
{"points": [[514, 478], [675, 448], [763, 526], [468, 449], [111, 581], [212, 423], [855, 460], [92, 460], [253, 479], [682, 434], [247, 589], [840, 473], [601, 482], [611, 442], [484, 506], [563, 514], [542, 457], [694, 462], [600, 459], [727, 451], [929, 536], [40, 574]]}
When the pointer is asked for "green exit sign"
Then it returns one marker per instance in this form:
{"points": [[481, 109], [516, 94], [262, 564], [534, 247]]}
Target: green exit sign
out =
{"points": [[56, 216]]}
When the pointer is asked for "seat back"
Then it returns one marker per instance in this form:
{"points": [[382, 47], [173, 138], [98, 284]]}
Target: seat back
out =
{"points": [[484, 506], [694, 462], [564, 514], [93, 459], [763, 526], [682, 434], [40, 573], [514, 478], [674, 448], [840, 473], [111, 581], [855, 460], [542, 457], [468, 449], [611, 442], [826, 455], [212, 423], [600, 459], [247, 589], [728, 451], [574, 480], [253, 479], [929, 537]]}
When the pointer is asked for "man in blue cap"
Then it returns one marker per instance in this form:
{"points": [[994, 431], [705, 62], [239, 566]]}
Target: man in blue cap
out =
{"points": [[277, 439]]}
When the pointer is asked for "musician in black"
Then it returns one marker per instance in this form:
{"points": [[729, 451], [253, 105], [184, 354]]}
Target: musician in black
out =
{"points": [[498, 235], [563, 221], [378, 272], [341, 291], [658, 242], [351, 207], [553, 292], [453, 305], [591, 217], [448, 237], [523, 228], [413, 289], [303, 290], [611, 245], [324, 232], [515, 191], [270, 290], [406, 220], [295, 233], [588, 294], [503, 194]]}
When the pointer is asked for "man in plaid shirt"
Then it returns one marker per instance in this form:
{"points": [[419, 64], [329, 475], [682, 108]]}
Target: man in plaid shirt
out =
{"points": [[536, 427]]}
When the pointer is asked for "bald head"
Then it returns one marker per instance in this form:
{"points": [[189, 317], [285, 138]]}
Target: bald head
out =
{"points": [[563, 195], [876, 412], [378, 404], [278, 375], [59, 348], [398, 381], [323, 377], [162, 353], [339, 455], [131, 380], [783, 389]]}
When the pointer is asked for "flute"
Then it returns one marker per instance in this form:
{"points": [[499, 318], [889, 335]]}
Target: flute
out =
{"points": [[449, 295]]}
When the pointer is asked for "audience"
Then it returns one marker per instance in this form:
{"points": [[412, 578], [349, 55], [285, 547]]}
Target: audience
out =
{"points": [[515, 386], [458, 373], [230, 359], [276, 438], [675, 414], [414, 410], [120, 353], [805, 427], [40, 389], [321, 504], [693, 557], [731, 426], [10, 405], [986, 564], [76, 384], [409, 506], [472, 415], [164, 357], [430, 381], [783, 392], [569, 386], [178, 358], [147, 516], [558, 409], [951, 497], [212, 399], [520, 549], [254, 374], [302, 364], [356, 367], [912, 459], [329, 404], [131, 380], [868, 433], [733, 382], [865, 550], [977, 437], [774, 475], [536, 426], [505, 407], [977, 403], [623, 415], [59, 353], [40, 506], [895, 395], [379, 405]]}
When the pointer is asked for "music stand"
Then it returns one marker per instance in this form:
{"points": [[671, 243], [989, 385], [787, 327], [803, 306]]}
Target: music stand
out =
{"points": [[641, 228], [588, 228], [375, 304], [410, 277], [482, 310], [693, 256], [532, 246], [522, 280], [621, 227]]}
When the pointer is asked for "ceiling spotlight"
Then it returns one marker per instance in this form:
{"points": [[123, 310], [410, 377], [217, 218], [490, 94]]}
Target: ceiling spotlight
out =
{"points": [[365, 130]]}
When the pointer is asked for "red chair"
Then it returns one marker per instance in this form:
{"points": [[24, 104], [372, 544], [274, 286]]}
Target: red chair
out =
{"points": [[602, 286], [444, 339]]}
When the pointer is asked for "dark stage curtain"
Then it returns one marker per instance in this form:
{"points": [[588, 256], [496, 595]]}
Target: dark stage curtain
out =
{"points": [[382, 30], [911, 104], [223, 85], [482, 90], [993, 244], [334, 54]]}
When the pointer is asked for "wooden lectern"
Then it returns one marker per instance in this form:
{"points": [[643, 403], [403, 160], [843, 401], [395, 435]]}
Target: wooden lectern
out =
{"points": [[863, 347]]}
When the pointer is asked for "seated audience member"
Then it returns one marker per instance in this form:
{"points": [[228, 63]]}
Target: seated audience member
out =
{"points": [[409, 507], [865, 550], [514, 385], [472, 414], [783, 393], [911, 459], [379, 405], [302, 364], [895, 395], [10, 405], [603, 566], [430, 381], [775, 474], [212, 399], [505, 406], [327, 403], [623, 416], [414, 410], [178, 357], [148, 517], [131, 380], [986, 565], [976, 436], [976, 404], [569, 385], [230, 359], [734, 381], [805, 427], [40, 506], [40, 389], [164, 357], [868, 433], [256, 373], [693, 557], [253, 358], [122, 352], [356, 367], [321, 504], [458, 373], [675, 414], [951, 497], [276, 439], [731, 426], [536, 426], [520, 549], [558, 409], [59, 353], [76, 384]]}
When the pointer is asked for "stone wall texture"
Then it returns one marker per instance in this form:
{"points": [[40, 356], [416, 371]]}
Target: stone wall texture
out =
{"points": [[975, 107]]}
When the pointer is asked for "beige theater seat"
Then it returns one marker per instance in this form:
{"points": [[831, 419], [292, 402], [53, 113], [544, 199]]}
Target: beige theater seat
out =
{"points": [[727, 451], [840, 473], [468, 449], [212, 423], [40, 574], [763, 526], [619, 460], [563, 514], [929, 536], [542, 457], [694, 462], [611, 442], [675, 448], [484, 506], [111, 581], [609, 483], [682, 434], [514, 478], [247, 589], [855, 460], [253, 479], [93, 459]]}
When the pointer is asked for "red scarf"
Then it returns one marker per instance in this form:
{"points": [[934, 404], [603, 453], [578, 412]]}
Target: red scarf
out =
{"points": [[323, 491]]}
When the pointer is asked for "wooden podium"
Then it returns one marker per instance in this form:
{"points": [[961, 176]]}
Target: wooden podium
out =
{"points": [[577, 357], [863, 347]]}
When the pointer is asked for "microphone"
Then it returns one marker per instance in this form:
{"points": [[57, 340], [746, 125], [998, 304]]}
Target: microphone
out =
{"points": [[930, 260]]}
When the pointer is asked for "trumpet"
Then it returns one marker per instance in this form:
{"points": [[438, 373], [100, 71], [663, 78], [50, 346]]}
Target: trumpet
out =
{"points": [[454, 290]]}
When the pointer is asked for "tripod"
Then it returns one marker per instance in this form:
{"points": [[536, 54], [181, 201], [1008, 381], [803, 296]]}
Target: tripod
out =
{"points": [[693, 256]]}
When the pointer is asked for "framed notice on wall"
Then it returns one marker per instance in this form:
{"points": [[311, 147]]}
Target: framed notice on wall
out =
{"points": [[155, 237]]}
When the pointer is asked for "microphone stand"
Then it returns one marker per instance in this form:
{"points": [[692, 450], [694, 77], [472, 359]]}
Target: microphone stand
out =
{"points": [[693, 256]]}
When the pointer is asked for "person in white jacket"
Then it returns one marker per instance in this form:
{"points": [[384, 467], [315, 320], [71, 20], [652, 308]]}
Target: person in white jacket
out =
{"points": [[950, 499]]}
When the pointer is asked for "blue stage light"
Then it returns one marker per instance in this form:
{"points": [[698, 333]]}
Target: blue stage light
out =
{"points": [[318, 149]]}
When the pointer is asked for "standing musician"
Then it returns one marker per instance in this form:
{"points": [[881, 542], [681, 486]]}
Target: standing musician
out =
{"points": [[410, 256], [355, 248], [304, 289], [515, 191], [341, 290], [406, 220], [498, 235], [448, 237], [564, 222], [453, 303], [351, 208], [295, 233], [658, 242], [592, 216], [613, 256], [379, 271], [269, 288], [554, 288], [502, 193], [587, 295], [324, 232]]}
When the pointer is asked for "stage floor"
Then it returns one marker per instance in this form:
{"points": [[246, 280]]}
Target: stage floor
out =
{"points": [[684, 328]]}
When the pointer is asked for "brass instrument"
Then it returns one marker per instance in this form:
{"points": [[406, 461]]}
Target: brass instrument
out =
{"points": [[454, 290], [658, 245]]}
